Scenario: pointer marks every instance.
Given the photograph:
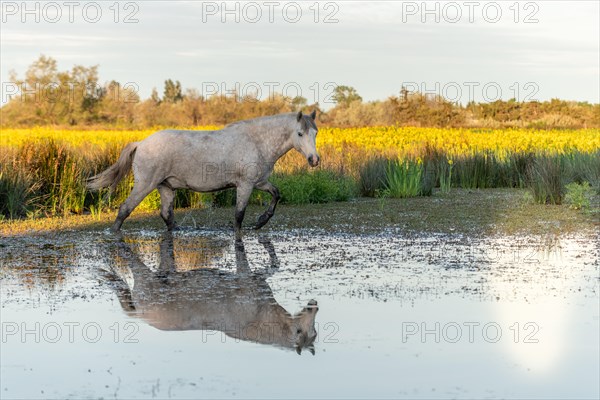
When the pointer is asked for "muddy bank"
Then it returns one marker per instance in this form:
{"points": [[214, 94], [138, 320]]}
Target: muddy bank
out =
{"points": [[489, 211]]}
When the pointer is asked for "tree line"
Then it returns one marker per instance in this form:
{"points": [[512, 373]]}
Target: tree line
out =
{"points": [[47, 96]]}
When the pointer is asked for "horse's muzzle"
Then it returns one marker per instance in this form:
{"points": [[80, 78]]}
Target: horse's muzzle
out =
{"points": [[311, 306], [313, 161]]}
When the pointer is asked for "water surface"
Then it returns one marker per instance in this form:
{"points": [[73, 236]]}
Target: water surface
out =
{"points": [[150, 315]]}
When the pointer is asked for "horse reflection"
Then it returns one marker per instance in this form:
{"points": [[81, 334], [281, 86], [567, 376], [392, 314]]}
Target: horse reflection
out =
{"points": [[240, 304]]}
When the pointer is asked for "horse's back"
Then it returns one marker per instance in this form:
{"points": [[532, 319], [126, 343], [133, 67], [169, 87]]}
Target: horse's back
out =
{"points": [[177, 147], [203, 161], [172, 138], [202, 299], [218, 143]]}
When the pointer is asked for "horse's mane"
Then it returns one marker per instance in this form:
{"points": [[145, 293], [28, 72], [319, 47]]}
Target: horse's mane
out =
{"points": [[307, 121], [258, 119]]}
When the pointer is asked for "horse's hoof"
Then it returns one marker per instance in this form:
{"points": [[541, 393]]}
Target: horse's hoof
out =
{"points": [[118, 235], [262, 221], [259, 225]]}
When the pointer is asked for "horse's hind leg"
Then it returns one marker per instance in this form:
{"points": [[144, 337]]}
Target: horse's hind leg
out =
{"points": [[136, 196], [242, 197], [167, 196], [274, 192]]}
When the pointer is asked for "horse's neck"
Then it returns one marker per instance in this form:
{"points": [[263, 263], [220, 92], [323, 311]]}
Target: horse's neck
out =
{"points": [[270, 325], [275, 139], [273, 314], [276, 321]]}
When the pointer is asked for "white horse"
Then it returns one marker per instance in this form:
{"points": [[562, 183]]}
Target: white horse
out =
{"points": [[241, 155]]}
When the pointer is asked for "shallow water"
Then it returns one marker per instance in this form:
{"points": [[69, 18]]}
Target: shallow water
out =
{"points": [[142, 316]]}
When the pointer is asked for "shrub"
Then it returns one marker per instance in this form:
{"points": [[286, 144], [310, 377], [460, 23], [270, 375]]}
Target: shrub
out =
{"points": [[578, 195], [403, 178], [321, 186], [299, 187]]}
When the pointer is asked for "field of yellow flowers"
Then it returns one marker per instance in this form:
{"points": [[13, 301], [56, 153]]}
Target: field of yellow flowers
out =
{"points": [[43, 170], [401, 140], [460, 142]]}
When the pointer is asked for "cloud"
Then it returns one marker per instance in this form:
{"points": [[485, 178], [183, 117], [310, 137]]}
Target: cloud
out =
{"points": [[370, 48], [20, 39]]}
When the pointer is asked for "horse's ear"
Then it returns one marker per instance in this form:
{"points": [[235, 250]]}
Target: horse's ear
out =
{"points": [[313, 114], [299, 350], [299, 116]]}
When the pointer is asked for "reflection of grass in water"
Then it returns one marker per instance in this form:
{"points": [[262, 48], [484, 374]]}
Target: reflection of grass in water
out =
{"points": [[189, 253], [45, 267]]}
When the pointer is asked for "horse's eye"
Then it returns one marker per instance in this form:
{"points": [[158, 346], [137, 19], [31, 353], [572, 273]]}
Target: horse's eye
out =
{"points": [[299, 133], [298, 331]]}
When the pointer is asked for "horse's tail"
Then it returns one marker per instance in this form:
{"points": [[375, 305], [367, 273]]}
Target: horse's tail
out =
{"points": [[116, 172]]}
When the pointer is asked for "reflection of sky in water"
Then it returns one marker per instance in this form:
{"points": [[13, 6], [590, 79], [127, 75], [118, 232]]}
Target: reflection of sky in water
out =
{"points": [[399, 317]]}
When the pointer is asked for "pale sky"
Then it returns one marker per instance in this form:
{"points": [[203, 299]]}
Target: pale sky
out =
{"points": [[374, 46]]}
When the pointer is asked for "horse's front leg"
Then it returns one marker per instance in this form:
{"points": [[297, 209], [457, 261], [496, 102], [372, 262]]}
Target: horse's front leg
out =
{"points": [[241, 260], [267, 186], [243, 193], [268, 245]]}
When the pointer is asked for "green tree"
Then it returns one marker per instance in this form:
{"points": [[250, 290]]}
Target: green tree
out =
{"points": [[172, 92], [56, 97], [344, 95], [298, 103], [154, 96], [118, 105]]}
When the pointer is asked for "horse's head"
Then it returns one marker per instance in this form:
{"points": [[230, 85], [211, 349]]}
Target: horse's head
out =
{"points": [[303, 328], [305, 137]]}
